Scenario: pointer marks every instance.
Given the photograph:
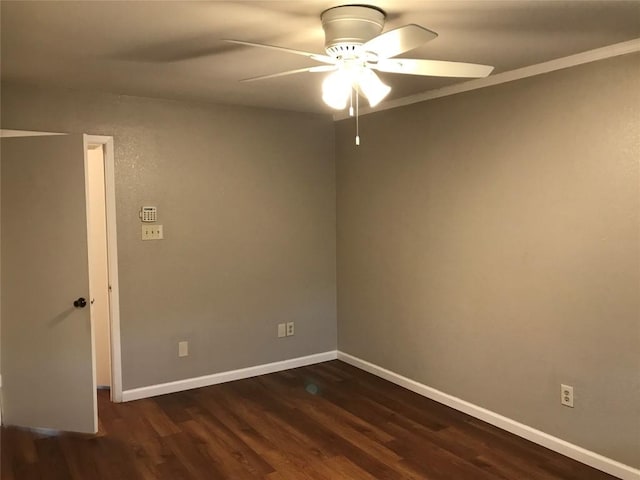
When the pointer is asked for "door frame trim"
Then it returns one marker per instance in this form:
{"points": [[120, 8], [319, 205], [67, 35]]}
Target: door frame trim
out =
{"points": [[112, 266]]}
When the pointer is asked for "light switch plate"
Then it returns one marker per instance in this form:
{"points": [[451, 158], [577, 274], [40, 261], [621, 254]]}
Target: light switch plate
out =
{"points": [[152, 232], [183, 348]]}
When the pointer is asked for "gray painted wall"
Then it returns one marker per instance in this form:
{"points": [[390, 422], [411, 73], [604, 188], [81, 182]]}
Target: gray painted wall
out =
{"points": [[247, 200], [488, 247]]}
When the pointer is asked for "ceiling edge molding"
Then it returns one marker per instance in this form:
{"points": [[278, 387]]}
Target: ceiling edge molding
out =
{"points": [[614, 50], [4, 133]]}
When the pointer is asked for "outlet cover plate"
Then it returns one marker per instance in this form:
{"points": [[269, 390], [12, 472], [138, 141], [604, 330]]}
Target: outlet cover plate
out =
{"points": [[566, 395], [282, 330]]}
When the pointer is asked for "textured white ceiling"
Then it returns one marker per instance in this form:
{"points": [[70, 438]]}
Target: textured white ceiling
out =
{"points": [[174, 49]]}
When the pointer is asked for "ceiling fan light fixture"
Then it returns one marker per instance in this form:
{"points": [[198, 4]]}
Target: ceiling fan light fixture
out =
{"points": [[351, 25], [336, 89], [372, 87], [356, 49]]}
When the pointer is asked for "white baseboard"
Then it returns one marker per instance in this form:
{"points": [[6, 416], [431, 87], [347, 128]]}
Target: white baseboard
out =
{"points": [[570, 450], [206, 380]]}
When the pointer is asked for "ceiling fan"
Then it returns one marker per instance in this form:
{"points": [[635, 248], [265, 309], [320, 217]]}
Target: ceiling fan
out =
{"points": [[356, 47]]}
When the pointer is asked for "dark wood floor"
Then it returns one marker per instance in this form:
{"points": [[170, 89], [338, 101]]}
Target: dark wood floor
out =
{"points": [[324, 422]]}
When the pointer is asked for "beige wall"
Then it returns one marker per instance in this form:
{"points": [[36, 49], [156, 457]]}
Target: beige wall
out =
{"points": [[247, 200], [488, 247]]}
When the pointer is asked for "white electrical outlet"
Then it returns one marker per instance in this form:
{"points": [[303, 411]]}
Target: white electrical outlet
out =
{"points": [[291, 329], [566, 395], [282, 330], [152, 232], [183, 348]]}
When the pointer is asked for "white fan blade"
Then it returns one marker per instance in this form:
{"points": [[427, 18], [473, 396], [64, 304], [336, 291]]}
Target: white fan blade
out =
{"points": [[314, 56], [319, 68], [433, 68], [399, 40]]}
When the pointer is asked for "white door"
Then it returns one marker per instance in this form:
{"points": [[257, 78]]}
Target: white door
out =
{"points": [[47, 354]]}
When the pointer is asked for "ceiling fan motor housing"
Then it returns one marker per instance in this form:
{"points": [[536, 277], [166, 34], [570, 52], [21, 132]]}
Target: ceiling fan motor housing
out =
{"points": [[349, 26]]}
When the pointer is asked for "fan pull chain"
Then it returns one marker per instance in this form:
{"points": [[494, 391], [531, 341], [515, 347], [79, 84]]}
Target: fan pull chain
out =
{"points": [[357, 117], [351, 104]]}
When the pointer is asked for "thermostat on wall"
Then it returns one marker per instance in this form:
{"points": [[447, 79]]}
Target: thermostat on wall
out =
{"points": [[149, 214]]}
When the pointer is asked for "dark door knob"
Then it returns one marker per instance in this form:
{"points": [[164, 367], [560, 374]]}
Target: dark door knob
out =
{"points": [[80, 303]]}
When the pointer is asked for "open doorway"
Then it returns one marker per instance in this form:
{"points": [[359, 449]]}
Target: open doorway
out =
{"points": [[98, 264], [103, 265]]}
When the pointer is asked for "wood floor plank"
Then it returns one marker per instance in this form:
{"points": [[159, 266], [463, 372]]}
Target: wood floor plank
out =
{"points": [[158, 419], [299, 449], [80, 464], [339, 439], [344, 468], [217, 451], [224, 440], [51, 461], [264, 447], [303, 399], [194, 461], [308, 406], [329, 421]]}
